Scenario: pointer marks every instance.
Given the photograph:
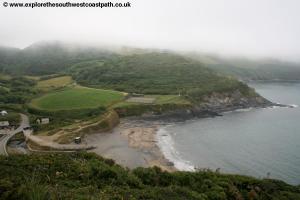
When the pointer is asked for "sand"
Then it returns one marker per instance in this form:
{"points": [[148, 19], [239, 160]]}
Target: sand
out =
{"points": [[131, 144]]}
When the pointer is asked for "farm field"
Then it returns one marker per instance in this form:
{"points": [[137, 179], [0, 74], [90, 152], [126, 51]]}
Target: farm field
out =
{"points": [[54, 83], [4, 77], [76, 98]]}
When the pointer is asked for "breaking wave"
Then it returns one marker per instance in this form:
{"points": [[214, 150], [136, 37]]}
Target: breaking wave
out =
{"points": [[167, 146]]}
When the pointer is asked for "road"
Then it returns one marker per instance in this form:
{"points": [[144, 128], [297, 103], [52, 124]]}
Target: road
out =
{"points": [[4, 139]]}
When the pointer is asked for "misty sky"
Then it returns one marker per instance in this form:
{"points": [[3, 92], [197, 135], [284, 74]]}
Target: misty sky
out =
{"points": [[267, 28]]}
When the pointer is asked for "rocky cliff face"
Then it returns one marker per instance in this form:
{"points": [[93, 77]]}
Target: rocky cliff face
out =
{"points": [[227, 101], [213, 105]]}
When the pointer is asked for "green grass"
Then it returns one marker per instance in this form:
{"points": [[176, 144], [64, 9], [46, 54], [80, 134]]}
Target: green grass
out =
{"points": [[165, 99], [4, 77], [161, 104], [76, 98], [4, 88], [35, 78], [159, 100], [54, 83]]}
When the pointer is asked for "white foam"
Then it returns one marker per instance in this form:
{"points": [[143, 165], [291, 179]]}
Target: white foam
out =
{"points": [[272, 107], [287, 106], [293, 105], [166, 144], [238, 110]]}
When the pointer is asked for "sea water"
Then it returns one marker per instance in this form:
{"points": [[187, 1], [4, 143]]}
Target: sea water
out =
{"points": [[261, 142]]}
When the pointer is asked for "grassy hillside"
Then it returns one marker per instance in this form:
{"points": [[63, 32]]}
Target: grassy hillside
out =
{"points": [[154, 73], [87, 176], [76, 98]]}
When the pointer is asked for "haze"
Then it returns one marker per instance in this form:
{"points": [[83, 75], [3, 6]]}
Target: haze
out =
{"points": [[256, 28]]}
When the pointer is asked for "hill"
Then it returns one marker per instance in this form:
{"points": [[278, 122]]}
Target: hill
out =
{"points": [[52, 57], [47, 57], [154, 73], [87, 176], [251, 69]]}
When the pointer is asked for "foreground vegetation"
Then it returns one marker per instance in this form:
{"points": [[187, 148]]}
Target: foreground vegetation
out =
{"points": [[87, 176]]}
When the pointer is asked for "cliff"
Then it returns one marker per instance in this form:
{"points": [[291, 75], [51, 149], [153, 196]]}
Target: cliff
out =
{"points": [[213, 105]]}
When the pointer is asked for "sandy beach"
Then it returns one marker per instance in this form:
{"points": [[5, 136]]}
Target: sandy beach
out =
{"points": [[131, 144]]}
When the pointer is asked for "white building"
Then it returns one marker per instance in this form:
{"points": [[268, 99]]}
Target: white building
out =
{"points": [[3, 112], [43, 121], [4, 124]]}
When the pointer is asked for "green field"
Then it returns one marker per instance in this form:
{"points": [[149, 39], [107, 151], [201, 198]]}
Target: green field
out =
{"points": [[76, 98]]}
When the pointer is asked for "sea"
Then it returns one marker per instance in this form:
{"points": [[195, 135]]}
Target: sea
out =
{"points": [[259, 142]]}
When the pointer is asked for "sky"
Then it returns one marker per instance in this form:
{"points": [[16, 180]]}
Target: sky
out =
{"points": [[254, 28]]}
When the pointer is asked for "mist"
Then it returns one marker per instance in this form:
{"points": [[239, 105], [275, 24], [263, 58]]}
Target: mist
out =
{"points": [[256, 28]]}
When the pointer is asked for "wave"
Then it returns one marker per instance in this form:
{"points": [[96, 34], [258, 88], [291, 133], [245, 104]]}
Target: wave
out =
{"points": [[239, 110], [286, 106], [167, 146]]}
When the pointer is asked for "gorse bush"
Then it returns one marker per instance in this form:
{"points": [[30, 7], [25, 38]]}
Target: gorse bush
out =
{"points": [[18, 90], [88, 176]]}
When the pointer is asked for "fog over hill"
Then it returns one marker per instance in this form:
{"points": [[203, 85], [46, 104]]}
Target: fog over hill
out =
{"points": [[47, 57]]}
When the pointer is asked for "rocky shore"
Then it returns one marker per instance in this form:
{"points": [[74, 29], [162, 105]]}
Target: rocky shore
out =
{"points": [[133, 142], [212, 106]]}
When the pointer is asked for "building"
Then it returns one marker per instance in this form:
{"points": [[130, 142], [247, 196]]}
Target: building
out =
{"points": [[43, 121], [77, 140], [3, 112], [4, 124]]}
